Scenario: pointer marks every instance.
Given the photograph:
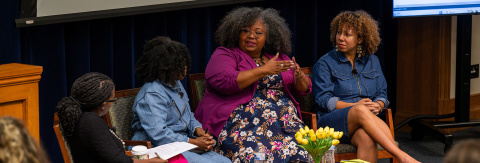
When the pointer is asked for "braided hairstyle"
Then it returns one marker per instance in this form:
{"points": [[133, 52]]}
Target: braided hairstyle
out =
{"points": [[162, 60], [277, 32], [89, 92], [16, 145]]}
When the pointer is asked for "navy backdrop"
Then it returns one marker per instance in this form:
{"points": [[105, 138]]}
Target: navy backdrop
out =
{"points": [[112, 46]]}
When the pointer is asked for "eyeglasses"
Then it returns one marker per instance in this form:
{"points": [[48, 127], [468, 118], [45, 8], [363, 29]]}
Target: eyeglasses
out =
{"points": [[247, 32], [115, 100]]}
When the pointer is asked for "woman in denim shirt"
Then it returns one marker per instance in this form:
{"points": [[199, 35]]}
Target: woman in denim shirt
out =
{"points": [[161, 113], [350, 89]]}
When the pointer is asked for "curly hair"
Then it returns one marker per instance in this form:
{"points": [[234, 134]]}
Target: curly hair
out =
{"points": [[16, 145], [89, 92], [464, 151], [365, 26], [162, 59], [277, 32]]}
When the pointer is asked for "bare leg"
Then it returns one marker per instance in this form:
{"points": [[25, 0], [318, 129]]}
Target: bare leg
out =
{"points": [[360, 117], [382, 125], [367, 149]]}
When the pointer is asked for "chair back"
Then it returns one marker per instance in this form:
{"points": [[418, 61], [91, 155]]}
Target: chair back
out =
{"points": [[307, 103], [197, 88], [62, 140], [120, 115]]}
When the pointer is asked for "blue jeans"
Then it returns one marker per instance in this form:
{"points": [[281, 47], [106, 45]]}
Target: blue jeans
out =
{"points": [[205, 157]]}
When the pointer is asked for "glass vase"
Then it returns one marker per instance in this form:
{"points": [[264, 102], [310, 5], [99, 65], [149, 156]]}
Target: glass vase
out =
{"points": [[329, 157], [315, 158]]}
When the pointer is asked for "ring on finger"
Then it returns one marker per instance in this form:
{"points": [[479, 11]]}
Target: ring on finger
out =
{"points": [[281, 65]]}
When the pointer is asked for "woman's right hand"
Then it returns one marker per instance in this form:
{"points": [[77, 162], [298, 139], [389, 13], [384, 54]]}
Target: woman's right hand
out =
{"points": [[204, 143], [274, 67], [363, 101]]}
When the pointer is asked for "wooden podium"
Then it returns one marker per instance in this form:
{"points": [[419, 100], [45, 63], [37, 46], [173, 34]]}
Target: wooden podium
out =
{"points": [[19, 94]]}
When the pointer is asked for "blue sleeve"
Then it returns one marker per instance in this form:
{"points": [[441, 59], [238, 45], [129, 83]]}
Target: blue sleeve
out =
{"points": [[381, 94], [193, 121], [323, 86], [154, 117]]}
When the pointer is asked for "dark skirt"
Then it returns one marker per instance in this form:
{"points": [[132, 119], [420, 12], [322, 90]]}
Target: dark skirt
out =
{"points": [[337, 119]]}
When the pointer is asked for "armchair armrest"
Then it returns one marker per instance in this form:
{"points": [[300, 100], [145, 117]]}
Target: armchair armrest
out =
{"points": [[389, 120], [310, 119], [148, 144]]}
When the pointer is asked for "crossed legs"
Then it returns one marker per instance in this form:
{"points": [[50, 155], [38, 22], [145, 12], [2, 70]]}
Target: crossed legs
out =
{"points": [[368, 130]]}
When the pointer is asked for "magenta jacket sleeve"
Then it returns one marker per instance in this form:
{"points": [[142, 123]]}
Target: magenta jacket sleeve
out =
{"points": [[222, 71]]}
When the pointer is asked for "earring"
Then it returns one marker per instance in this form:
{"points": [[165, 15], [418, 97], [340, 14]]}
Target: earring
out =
{"points": [[103, 108], [336, 47], [359, 50]]}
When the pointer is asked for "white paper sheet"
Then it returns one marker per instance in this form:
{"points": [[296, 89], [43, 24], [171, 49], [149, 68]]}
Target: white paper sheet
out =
{"points": [[167, 151]]}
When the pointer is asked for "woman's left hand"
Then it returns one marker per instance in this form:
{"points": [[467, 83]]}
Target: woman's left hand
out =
{"points": [[199, 132], [298, 73], [375, 107]]}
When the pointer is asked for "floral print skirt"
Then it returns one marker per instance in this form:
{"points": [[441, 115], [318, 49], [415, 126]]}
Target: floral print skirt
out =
{"points": [[269, 118]]}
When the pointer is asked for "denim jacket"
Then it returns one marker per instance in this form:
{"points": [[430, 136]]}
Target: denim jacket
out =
{"points": [[334, 80], [161, 116]]}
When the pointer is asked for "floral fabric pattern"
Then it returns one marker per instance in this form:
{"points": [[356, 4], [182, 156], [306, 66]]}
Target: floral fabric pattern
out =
{"points": [[269, 118]]}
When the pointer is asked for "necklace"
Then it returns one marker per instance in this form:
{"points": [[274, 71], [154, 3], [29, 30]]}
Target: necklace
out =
{"points": [[261, 60], [123, 143]]}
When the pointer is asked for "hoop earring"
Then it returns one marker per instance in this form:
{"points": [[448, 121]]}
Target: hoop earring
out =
{"points": [[336, 48], [359, 50]]}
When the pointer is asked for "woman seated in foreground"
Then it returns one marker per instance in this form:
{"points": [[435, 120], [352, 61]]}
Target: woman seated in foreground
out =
{"points": [[250, 82], [350, 88], [89, 137], [161, 113], [17, 145]]}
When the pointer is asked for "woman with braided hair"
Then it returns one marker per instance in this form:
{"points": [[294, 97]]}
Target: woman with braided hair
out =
{"points": [[89, 137]]}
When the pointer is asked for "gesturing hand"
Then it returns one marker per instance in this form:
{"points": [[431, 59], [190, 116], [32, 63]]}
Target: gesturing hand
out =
{"points": [[274, 67], [298, 73]]}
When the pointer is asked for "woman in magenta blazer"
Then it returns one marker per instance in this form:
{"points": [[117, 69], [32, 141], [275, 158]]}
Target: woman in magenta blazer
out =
{"points": [[250, 82]]}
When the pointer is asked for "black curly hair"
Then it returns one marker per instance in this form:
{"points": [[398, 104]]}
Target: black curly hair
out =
{"points": [[89, 92], [277, 32], [162, 59]]}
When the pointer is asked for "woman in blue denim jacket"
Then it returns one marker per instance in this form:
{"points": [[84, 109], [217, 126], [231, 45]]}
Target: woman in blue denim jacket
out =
{"points": [[161, 113], [350, 89]]}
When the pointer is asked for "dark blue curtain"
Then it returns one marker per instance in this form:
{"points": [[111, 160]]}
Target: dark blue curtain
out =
{"points": [[112, 46]]}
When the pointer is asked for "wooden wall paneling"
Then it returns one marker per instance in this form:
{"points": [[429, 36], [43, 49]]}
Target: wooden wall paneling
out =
{"points": [[444, 64], [423, 53], [19, 94]]}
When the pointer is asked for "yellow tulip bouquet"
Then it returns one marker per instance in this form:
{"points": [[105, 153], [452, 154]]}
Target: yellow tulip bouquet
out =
{"points": [[317, 143]]}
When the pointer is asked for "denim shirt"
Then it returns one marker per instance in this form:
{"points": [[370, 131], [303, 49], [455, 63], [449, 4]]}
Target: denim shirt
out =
{"points": [[334, 80], [161, 116]]}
